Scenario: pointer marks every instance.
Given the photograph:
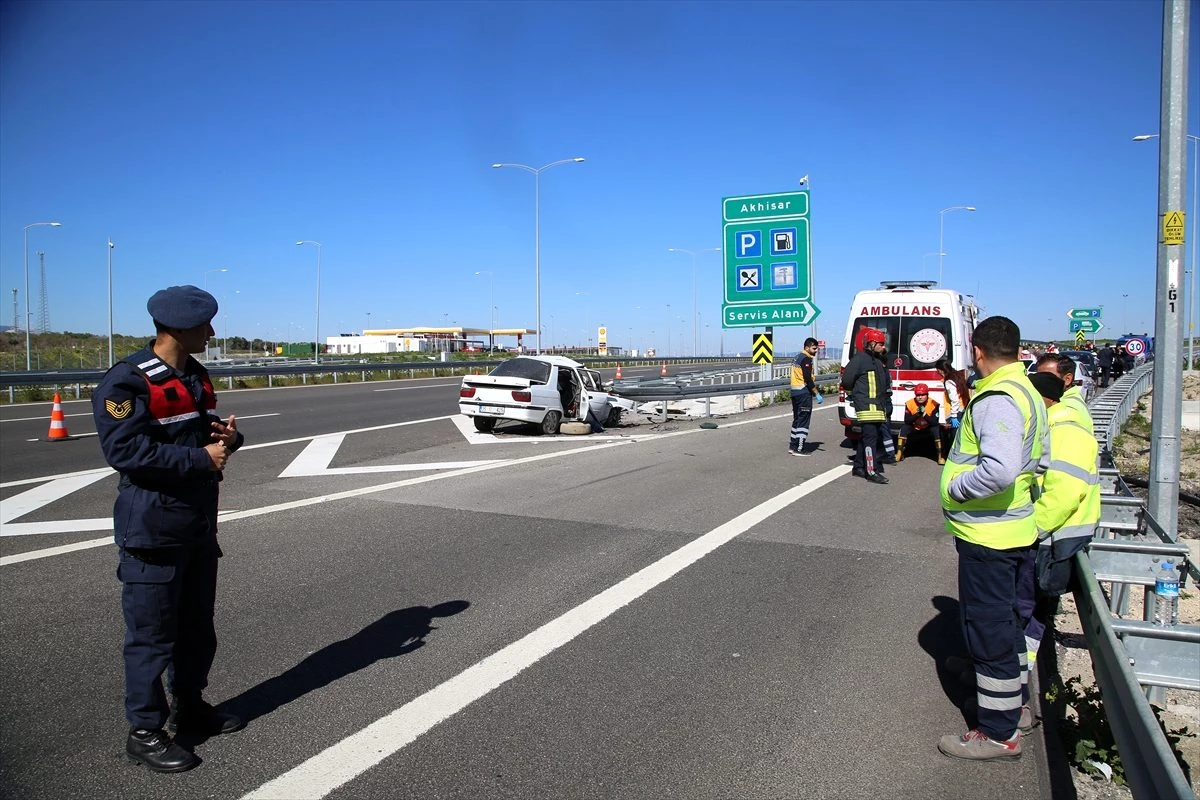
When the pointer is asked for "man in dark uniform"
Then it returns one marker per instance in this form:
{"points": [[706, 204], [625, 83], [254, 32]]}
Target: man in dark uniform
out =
{"points": [[1105, 359], [155, 414], [864, 380], [804, 391]]}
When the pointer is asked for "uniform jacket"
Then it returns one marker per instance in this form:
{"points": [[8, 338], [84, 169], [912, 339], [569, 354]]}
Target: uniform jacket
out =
{"points": [[914, 412], [866, 379], [802, 373], [153, 423]]}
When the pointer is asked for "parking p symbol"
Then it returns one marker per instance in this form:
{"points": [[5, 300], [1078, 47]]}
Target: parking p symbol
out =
{"points": [[749, 244]]}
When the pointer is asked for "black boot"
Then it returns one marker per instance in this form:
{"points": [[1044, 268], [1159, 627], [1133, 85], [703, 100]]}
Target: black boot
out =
{"points": [[155, 750], [197, 716]]}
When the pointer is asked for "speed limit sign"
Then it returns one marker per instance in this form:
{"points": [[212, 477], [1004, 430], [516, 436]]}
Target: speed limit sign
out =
{"points": [[1135, 347]]}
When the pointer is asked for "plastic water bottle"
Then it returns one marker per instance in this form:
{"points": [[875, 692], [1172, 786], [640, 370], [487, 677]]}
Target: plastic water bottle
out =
{"points": [[1166, 595]]}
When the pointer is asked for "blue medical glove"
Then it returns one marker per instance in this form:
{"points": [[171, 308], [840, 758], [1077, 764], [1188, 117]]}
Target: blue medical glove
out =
{"points": [[820, 398], [955, 422]]}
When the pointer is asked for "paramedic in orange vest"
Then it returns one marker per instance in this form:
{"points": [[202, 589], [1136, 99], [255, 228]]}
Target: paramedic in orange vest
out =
{"points": [[155, 413], [921, 419]]}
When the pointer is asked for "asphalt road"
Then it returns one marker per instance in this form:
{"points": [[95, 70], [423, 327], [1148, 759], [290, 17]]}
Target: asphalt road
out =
{"points": [[416, 610]]}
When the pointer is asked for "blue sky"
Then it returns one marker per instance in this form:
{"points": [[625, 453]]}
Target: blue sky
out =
{"points": [[201, 136]]}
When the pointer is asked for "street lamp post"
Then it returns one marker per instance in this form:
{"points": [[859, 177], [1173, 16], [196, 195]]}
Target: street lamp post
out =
{"points": [[208, 272], [667, 354], [695, 317], [537, 231], [110, 324], [942, 234], [28, 313], [927, 255], [1190, 271], [317, 316], [492, 309]]}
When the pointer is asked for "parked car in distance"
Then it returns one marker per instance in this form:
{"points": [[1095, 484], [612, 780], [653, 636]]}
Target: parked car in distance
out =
{"points": [[1085, 357], [540, 390]]}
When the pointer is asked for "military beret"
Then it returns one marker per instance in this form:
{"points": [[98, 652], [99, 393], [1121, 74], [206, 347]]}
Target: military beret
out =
{"points": [[1049, 386], [182, 307]]}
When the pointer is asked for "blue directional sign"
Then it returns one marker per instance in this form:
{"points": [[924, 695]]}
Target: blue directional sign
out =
{"points": [[1086, 325], [768, 260]]}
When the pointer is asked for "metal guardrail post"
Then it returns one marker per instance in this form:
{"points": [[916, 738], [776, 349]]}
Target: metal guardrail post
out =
{"points": [[1150, 766]]}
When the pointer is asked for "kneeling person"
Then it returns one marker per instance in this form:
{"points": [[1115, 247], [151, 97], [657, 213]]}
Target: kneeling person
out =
{"points": [[920, 419]]}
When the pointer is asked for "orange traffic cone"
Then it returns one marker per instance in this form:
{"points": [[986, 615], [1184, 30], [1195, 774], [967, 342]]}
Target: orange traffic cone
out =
{"points": [[663, 372], [58, 423], [618, 372]]}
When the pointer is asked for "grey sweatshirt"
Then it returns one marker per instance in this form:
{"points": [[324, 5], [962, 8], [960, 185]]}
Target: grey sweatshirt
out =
{"points": [[1001, 430]]}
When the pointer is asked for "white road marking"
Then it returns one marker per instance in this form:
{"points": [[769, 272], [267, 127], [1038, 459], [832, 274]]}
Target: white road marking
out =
{"points": [[254, 512], [316, 458], [342, 762], [32, 499], [467, 428], [411, 388]]}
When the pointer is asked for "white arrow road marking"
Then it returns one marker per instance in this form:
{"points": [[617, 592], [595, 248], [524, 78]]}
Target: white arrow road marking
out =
{"points": [[315, 460], [31, 500], [342, 762]]}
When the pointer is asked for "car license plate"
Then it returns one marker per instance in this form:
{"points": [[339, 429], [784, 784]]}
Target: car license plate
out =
{"points": [[494, 410]]}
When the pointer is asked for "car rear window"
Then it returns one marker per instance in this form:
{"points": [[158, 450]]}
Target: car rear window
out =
{"points": [[918, 342], [534, 370]]}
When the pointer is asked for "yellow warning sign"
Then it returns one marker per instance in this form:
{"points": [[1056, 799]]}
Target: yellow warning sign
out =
{"points": [[1080, 338], [1172, 232], [762, 351]]}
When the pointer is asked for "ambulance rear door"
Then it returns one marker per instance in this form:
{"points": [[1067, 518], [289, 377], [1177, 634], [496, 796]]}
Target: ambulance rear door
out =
{"points": [[914, 344]]}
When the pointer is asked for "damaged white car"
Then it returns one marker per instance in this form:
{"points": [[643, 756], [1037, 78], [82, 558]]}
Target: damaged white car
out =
{"points": [[540, 390]]}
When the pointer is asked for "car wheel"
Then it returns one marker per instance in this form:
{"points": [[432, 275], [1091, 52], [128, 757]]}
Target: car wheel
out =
{"points": [[484, 424], [614, 418], [550, 423]]}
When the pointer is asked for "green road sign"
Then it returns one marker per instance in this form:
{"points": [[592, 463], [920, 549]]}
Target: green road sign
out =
{"points": [[1086, 325], [768, 259], [1085, 313], [760, 315]]}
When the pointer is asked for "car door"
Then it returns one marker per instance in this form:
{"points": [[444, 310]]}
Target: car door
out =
{"points": [[587, 391]]}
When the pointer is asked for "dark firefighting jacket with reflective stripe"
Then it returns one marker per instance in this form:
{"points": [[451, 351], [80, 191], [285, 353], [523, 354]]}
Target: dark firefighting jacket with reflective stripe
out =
{"points": [[153, 424], [865, 379]]}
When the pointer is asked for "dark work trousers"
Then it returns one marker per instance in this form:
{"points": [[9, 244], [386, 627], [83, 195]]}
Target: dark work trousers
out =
{"points": [[868, 457], [993, 628], [167, 599], [802, 401]]}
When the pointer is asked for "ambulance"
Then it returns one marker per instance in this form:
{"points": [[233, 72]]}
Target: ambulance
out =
{"points": [[923, 323]]}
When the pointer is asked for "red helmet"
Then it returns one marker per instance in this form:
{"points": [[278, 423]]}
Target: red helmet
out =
{"points": [[921, 388], [873, 335]]}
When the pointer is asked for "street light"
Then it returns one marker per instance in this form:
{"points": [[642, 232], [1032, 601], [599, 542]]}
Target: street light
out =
{"points": [[28, 317], [110, 325], [692, 253], [492, 309], [667, 354], [587, 316], [927, 255], [942, 233], [1124, 325], [537, 231], [208, 272], [317, 317], [1191, 263]]}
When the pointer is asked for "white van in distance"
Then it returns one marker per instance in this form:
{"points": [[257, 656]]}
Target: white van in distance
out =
{"points": [[922, 323]]}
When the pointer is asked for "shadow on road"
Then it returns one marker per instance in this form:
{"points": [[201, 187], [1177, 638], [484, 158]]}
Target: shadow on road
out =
{"points": [[394, 634]]}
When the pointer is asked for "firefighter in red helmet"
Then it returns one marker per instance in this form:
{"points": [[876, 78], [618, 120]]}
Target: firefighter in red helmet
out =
{"points": [[864, 380]]}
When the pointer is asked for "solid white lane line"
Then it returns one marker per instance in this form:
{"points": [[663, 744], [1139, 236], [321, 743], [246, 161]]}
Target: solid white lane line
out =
{"points": [[411, 388], [57, 526], [337, 765]]}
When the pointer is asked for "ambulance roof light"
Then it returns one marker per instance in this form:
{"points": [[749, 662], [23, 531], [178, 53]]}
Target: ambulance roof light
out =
{"points": [[907, 284]]}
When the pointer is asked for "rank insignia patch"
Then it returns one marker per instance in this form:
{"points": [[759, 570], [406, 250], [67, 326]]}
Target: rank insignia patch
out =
{"points": [[118, 410]]}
